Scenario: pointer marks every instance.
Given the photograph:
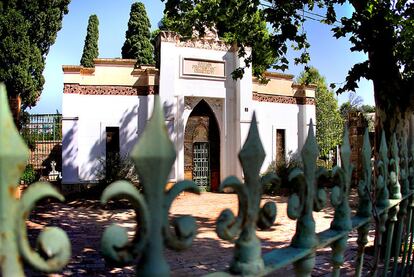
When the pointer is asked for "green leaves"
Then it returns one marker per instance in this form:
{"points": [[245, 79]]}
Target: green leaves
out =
{"points": [[137, 38], [90, 49], [238, 22], [329, 122], [27, 30]]}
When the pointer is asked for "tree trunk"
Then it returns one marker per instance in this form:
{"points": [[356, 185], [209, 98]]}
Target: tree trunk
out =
{"points": [[15, 107]]}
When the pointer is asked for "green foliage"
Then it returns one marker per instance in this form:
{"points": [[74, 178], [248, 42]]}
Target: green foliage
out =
{"points": [[29, 175], [117, 167], [90, 49], [282, 170], [27, 30], [137, 38], [329, 124], [353, 105], [367, 109], [383, 30], [237, 23], [153, 40]]}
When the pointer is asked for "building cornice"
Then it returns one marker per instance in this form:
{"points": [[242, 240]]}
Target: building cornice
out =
{"points": [[299, 86], [278, 75], [77, 69], [202, 43], [115, 61], [261, 97]]}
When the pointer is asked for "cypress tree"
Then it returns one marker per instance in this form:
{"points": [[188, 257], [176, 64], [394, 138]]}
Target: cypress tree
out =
{"points": [[90, 49], [137, 38], [27, 30]]}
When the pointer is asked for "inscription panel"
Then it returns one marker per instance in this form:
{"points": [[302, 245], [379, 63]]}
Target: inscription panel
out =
{"points": [[204, 68]]}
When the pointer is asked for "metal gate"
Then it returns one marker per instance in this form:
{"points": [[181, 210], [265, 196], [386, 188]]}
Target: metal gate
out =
{"points": [[201, 165]]}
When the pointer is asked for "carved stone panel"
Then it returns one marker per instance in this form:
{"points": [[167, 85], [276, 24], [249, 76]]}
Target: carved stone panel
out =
{"points": [[216, 104]]}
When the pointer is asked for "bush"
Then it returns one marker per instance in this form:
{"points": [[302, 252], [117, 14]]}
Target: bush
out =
{"points": [[282, 170], [117, 167], [29, 175]]}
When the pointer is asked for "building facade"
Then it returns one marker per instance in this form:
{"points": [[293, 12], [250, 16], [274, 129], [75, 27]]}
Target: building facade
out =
{"points": [[208, 114]]}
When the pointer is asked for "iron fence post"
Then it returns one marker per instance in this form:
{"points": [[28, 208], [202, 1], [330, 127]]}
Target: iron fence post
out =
{"points": [[53, 243], [339, 199], [247, 258], [154, 156]]}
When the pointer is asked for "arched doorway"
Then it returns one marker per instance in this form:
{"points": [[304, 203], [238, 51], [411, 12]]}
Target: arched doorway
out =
{"points": [[202, 148]]}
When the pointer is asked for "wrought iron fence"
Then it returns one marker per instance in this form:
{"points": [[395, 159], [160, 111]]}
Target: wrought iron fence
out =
{"points": [[43, 134], [154, 155]]}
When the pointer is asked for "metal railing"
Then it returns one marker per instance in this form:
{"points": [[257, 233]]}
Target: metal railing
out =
{"points": [[154, 155], [43, 134]]}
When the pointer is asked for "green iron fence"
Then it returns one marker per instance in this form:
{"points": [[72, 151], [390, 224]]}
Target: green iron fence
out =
{"points": [[43, 134], [390, 210]]}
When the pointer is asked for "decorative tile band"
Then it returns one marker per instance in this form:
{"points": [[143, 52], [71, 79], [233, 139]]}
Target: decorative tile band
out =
{"points": [[109, 90], [283, 99]]}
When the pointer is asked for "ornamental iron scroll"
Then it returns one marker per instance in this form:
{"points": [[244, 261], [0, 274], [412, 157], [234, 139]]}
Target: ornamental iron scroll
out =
{"points": [[153, 156], [339, 199], [308, 198], [53, 243], [247, 254]]}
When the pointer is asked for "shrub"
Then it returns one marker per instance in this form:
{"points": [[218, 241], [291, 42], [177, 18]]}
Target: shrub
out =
{"points": [[117, 167], [282, 170], [29, 175]]}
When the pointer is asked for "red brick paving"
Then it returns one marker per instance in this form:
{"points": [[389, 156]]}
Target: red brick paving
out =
{"points": [[85, 220]]}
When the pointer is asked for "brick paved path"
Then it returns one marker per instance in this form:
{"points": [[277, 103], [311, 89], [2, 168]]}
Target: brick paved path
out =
{"points": [[85, 220]]}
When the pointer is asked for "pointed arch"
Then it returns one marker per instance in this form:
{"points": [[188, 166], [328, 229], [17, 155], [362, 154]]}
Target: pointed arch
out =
{"points": [[202, 147]]}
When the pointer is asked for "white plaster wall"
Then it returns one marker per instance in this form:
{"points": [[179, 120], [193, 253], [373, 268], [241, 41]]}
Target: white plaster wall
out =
{"points": [[173, 87], [70, 165], [273, 116], [96, 112]]}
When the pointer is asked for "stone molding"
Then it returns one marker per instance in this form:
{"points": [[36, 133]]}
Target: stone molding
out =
{"points": [[283, 99], [216, 104], [202, 43], [109, 90]]}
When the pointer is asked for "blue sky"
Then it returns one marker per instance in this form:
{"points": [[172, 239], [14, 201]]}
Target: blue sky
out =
{"points": [[332, 57]]}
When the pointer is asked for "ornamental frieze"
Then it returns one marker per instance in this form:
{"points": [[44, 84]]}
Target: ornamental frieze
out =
{"points": [[202, 43], [283, 99], [109, 90]]}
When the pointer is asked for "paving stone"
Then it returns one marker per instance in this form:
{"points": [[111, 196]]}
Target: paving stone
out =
{"points": [[85, 224]]}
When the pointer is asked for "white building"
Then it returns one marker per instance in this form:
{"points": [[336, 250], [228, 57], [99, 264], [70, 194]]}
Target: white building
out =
{"points": [[208, 113]]}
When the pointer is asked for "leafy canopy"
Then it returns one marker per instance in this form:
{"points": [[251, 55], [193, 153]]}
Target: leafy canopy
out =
{"points": [[90, 49], [238, 22], [329, 124], [384, 30], [27, 30], [137, 38]]}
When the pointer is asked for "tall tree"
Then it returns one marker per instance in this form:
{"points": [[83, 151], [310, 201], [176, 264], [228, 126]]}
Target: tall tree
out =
{"points": [[329, 124], [381, 29], [137, 38], [183, 16], [90, 49], [27, 30]]}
